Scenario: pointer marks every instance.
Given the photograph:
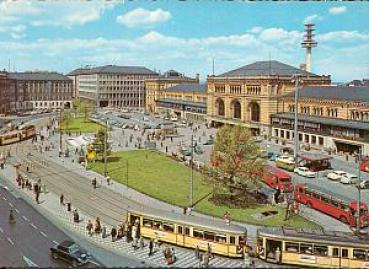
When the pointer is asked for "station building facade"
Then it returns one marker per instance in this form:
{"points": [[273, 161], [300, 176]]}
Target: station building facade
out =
{"points": [[155, 85], [334, 118], [249, 95]]}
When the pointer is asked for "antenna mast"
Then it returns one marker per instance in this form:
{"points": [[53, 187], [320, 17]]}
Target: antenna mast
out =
{"points": [[308, 43]]}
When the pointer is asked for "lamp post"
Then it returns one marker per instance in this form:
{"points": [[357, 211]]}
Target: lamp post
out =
{"points": [[297, 80], [60, 132], [359, 196], [105, 155], [191, 178]]}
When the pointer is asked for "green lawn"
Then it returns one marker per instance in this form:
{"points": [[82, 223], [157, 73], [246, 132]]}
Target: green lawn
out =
{"points": [[80, 125], [159, 176]]}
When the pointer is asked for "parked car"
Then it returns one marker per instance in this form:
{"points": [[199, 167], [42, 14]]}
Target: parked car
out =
{"points": [[304, 172], [349, 179], [209, 142], [70, 252], [336, 175], [364, 184], [272, 156]]}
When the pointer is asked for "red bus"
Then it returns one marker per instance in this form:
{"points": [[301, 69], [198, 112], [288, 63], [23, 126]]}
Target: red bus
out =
{"points": [[277, 178], [341, 209], [364, 165]]}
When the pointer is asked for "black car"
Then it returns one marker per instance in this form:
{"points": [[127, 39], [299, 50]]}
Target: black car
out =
{"points": [[70, 252]]}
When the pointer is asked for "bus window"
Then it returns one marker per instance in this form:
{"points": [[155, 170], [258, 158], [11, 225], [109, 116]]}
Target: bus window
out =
{"points": [[344, 253], [307, 192], [147, 223], [187, 231], [315, 195], [209, 236], [335, 252], [292, 247], [321, 250], [359, 254], [220, 238], [198, 234], [168, 227], [180, 229], [232, 240], [325, 199], [306, 248]]}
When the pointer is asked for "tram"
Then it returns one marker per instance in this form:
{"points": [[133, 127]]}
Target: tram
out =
{"points": [[17, 135], [191, 231], [313, 248]]}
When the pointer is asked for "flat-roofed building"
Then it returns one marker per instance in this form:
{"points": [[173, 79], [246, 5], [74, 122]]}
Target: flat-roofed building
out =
{"points": [[7, 94], [329, 117], [155, 85], [186, 101], [112, 86], [248, 95]]}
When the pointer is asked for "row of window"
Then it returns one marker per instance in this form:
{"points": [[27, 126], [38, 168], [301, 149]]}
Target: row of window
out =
{"points": [[318, 111], [325, 198], [237, 89], [121, 82], [322, 250], [290, 135], [120, 88]]}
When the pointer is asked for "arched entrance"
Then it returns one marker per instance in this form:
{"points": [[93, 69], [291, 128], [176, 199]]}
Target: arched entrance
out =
{"points": [[254, 110], [236, 107], [219, 104]]}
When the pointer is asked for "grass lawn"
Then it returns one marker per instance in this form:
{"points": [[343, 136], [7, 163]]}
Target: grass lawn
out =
{"points": [[81, 125], [159, 176]]}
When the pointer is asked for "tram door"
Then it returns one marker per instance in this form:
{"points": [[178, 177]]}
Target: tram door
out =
{"points": [[273, 250], [340, 257]]}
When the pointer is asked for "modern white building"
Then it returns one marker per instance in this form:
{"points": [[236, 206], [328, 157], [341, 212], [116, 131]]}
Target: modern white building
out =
{"points": [[112, 86]]}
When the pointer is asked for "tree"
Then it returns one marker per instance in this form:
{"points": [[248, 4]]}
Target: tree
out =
{"points": [[98, 143], [236, 166], [82, 107]]}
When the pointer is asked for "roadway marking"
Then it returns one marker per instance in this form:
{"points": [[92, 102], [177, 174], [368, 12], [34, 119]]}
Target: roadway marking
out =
{"points": [[43, 234], [10, 241], [56, 243], [95, 263], [16, 210], [25, 218], [29, 262], [34, 226], [1, 230], [11, 205], [4, 198]]}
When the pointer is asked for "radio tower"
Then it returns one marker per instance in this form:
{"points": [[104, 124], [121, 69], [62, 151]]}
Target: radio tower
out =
{"points": [[308, 43]]}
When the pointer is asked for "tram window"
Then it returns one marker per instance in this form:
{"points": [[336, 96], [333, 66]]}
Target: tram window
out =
{"points": [[198, 234], [209, 236], [321, 250], [220, 238], [344, 253], [167, 227], [325, 199], [306, 248], [147, 223], [179, 229], [292, 247], [359, 254], [232, 240], [157, 225], [187, 231]]}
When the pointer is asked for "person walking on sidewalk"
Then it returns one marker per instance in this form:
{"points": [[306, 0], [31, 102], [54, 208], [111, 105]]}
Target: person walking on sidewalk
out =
{"points": [[113, 234], [108, 180], [151, 246], [75, 216], [94, 183], [141, 242], [89, 227]]}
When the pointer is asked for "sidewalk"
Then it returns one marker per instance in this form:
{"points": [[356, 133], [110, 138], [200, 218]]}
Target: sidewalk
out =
{"points": [[51, 208]]}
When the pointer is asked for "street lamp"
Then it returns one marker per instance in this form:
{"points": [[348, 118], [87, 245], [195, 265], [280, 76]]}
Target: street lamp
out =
{"points": [[296, 78], [359, 196]]}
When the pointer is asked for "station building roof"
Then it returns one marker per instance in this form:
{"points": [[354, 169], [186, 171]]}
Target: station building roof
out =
{"points": [[38, 75], [202, 88], [113, 69]]}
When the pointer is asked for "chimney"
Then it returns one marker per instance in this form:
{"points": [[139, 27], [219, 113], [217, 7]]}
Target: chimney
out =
{"points": [[198, 78]]}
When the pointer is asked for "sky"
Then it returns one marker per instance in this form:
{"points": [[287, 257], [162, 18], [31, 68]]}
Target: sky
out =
{"points": [[61, 35]]}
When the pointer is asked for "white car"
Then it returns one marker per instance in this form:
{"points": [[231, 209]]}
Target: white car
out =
{"points": [[364, 184], [349, 179], [304, 172], [336, 175], [285, 158]]}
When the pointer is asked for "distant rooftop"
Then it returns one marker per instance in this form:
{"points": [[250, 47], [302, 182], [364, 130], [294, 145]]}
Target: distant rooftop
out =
{"points": [[173, 75], [265, 68], [113, 69], [189, 87], [38, 75], [345, 93]]}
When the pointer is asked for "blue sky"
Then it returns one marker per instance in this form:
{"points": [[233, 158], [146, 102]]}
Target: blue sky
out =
{"points": [[184, 35]]}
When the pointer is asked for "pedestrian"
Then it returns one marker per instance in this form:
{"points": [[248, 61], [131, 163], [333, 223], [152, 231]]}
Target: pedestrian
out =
{"points": [[113, 234], [156, 243], [134, 244], [69, 207], [94, 183], [103, 232], [141, 242], [166, 148], [97, 225], [252, 262], [174, 258], [108, 180], [197, 252], [151, 246], [278, 255], [75, 216], [205, 260], [89, 227], [12, 217]]}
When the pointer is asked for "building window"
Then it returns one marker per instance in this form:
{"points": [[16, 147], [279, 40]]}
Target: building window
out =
{"points": [[236, 109], [321, 141], [220, 107], [254, 110], [219, 88], [253, 90], [235, 89]]}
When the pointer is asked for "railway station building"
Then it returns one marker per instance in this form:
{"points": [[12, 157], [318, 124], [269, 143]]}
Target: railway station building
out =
{"points": [[334, 118], [249, 95]]}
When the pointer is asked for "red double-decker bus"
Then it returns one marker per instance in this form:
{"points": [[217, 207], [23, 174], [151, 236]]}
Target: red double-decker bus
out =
{"points": [[364, 165], [277, 178], [341, 208]]}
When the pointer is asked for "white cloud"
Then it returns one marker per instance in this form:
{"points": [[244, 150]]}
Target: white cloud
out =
{"points": [[256, 29], [343, 36], [337, 10], [313, 18], [144, 17]]}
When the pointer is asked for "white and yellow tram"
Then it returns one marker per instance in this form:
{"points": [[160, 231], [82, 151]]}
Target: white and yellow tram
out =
{"points": [[18, 135], [313, 248], [191, 231]]}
